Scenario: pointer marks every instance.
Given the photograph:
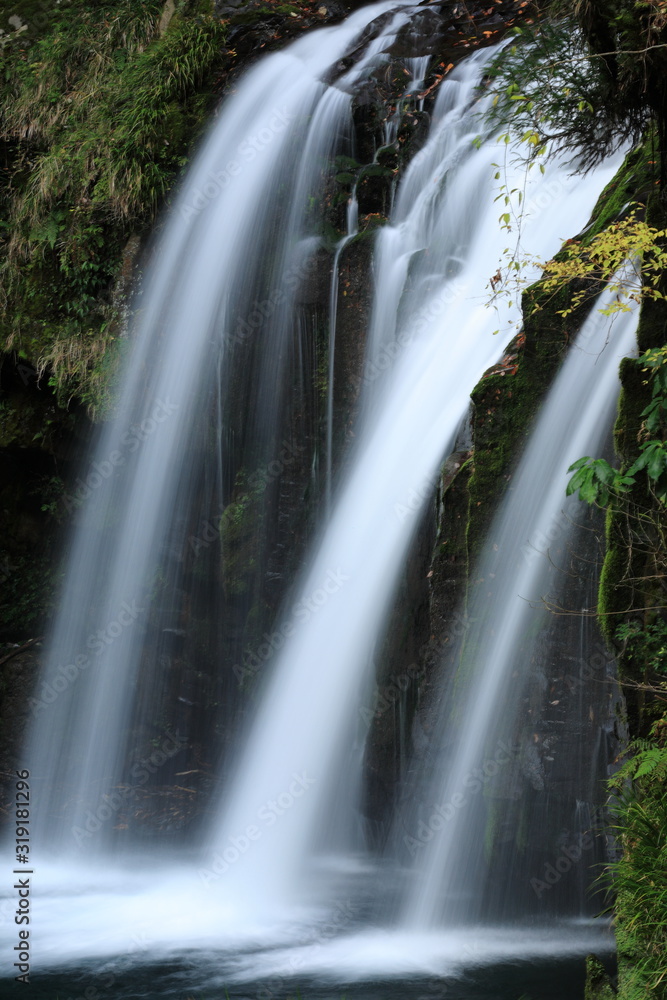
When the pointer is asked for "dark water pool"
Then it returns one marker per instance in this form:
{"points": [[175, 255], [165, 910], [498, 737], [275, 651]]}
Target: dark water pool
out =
{"points": [[192, 978]]}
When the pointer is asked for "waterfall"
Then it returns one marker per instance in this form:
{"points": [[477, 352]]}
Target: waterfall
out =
{"points": [[529, 555], [432, 261], [283, 835], [200, 300], [351, 220]]}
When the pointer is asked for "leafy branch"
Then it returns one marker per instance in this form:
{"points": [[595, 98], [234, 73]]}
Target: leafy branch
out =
{"points": [[595, 264], [596, 481], [601, 262]]}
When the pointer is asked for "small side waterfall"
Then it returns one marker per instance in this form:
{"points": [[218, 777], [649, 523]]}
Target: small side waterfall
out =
{"points": [[352, 221], [528, 557]]}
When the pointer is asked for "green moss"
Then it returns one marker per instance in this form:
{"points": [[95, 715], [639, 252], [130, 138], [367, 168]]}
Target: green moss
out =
{"points": [[450, 562], [630, 578], [639, 879], [375, 170], [98, 113], [622, 588], [26, 593], [652, 330], [507, 399], [631, 610], [613, 597], [634, 182]]}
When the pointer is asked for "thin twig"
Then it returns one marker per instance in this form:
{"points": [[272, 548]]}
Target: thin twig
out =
{"points": [[21, 649], [557, 609]]}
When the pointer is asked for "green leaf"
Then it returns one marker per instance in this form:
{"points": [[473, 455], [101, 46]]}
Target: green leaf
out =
{"points": [[657, 462], [649, 761]]}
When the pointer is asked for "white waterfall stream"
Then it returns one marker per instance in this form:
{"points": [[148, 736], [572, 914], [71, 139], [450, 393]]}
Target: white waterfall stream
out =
{"points": [[574, 421], [198, 298]]}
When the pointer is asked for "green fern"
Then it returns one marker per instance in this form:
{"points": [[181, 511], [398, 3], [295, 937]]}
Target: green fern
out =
{"points": [[651, 761], [647, 760]]}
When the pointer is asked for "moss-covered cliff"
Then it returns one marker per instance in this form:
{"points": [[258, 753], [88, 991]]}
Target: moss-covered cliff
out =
{"points": [[633, 614]]}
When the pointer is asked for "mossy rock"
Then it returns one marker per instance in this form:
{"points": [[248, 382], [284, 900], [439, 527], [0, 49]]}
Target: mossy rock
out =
{"points": [[629, 580], [506, 400], [240, 533], [633, 183], [598, 983], [508, 397], [28, 585]]}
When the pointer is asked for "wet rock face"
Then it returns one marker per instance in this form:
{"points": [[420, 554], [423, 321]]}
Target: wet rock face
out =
{"points": [[400, 672], [39, 448], [355, 299], [260, 26], [19, 668], [598, 982], [446, 32]]}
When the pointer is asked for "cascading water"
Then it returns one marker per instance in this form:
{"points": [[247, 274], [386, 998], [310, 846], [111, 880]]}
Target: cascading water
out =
{"points": [[430, 340], [422, 310], [534, 545], [352, 222], [493, 702], [201, 294]]}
